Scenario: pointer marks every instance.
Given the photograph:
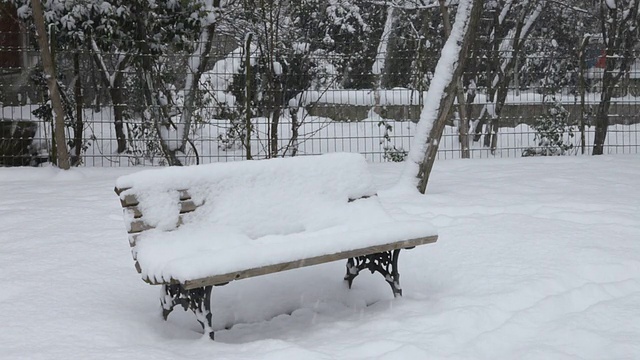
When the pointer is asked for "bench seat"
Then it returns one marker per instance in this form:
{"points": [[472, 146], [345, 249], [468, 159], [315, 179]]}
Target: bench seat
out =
{"points": [[209, 254], [192, 228]]}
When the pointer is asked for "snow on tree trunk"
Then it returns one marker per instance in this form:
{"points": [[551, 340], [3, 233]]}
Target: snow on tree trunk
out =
{"points": [[510, 49], [197, 64], [440, 96], [463, 124], [381, 55], [505, 47], [62, 154], [114, 84]]}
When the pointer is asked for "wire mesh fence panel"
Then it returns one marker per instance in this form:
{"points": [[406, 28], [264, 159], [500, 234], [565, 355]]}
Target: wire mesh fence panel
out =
{"points": [[222, 83]]}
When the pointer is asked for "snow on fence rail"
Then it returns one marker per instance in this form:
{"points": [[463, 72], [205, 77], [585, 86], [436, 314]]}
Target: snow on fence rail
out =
{"points": [[378, 138]]}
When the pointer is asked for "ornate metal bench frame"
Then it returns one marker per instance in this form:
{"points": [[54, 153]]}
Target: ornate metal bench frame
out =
{"points": [[198, 299], [195, 295]]}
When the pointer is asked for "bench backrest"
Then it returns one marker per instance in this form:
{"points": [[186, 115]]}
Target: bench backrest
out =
{"points": [[257, 198]]}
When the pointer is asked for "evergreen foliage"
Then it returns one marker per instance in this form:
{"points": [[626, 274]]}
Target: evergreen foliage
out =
{"points": [[553, 132]]}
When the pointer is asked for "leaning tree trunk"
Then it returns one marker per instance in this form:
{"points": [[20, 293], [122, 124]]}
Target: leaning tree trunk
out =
{"points": [[463, 124], [442, 92], [62, 155]]}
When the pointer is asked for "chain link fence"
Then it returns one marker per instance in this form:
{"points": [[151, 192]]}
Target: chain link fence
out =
{"points": [[302, 102]]}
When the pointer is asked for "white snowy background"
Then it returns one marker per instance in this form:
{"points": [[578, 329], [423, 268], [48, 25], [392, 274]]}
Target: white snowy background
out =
{"points": [[538, 258]]}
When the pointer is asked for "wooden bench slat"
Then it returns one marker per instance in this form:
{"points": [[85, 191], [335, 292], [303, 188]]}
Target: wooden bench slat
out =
{"points": [[137, 226], [225, 278], [133, 238], [131, 200], [186, 206]]}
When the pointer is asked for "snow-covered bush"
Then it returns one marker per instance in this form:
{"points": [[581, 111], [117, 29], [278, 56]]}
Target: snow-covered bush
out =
{"points": [[391, 152], [553, 132]]}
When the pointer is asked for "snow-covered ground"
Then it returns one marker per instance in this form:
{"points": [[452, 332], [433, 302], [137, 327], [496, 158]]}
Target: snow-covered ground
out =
{"points": [[538, 258]]}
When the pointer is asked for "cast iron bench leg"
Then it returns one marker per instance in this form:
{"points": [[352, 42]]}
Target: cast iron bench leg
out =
{"points": [[197, 300], [385, 263]]}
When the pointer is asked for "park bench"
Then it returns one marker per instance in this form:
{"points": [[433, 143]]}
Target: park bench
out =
{"points": [[192, 228]]}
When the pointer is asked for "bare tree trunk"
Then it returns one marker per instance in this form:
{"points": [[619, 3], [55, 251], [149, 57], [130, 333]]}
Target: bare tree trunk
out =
{"points": [[114, 84], [602, 123], [96, 86], [582, 86], [192, 87], [248, 126], [62, 154], [295, 125], [502, 99], [602, 114], [459, 42], [79, 125], [157, 116], [463, 126], [275, 118], [118, 113], [119, 106], [197, 64], [482, 120], [505, 67], [620, 33]]}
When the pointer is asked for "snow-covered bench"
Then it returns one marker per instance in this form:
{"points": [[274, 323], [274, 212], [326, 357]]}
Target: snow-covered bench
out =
{"points": [[192, 228]]}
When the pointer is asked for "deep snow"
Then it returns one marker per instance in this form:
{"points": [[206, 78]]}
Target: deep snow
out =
{"points": [[538, 258]]}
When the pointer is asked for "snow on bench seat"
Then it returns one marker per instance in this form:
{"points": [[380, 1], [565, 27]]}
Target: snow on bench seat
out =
{"points": [[254, 214]]}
